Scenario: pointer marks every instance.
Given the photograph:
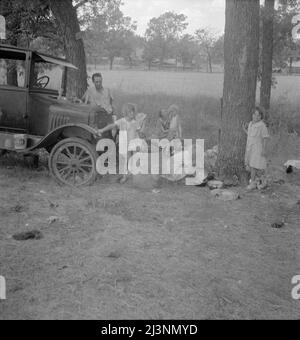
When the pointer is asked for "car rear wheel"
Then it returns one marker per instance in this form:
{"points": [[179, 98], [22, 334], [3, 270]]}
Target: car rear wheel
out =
{"points": [[73, 162]]}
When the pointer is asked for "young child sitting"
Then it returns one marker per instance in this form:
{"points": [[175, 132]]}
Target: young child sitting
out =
{"points": [[255, 158], [175, 123], [169, 125], [128, 124]]}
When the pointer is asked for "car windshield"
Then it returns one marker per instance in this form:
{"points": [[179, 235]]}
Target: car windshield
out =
{"points": [[47, 76]]}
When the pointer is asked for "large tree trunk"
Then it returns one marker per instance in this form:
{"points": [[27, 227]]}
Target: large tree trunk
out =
{"points": [[209, 62], [162, 56], [111, 62], [130, 62], [291, 60], [240, 81], [267, 55], [66, 17]]}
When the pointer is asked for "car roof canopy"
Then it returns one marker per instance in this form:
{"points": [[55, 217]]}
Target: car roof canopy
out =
{"points": [[13, 52], [55, 61]]}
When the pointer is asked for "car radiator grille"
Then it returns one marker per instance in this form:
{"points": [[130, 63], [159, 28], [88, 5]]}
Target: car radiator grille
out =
{"points": [[58, 120]]}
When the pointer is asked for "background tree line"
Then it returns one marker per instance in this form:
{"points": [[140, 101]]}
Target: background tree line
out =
{"points": [[90, 30]]}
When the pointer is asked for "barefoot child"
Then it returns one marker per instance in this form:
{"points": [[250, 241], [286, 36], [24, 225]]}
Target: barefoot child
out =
{"points": [[255, 158], [129, 124]]}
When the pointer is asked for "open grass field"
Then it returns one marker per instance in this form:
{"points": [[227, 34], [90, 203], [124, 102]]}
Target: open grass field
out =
{"points": [[186, 84], [125, 252]]}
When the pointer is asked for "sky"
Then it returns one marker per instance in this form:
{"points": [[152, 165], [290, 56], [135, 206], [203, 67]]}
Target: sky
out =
{"points": [[201, 13]]}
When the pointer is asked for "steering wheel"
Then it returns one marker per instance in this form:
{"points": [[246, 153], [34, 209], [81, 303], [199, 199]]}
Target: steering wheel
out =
{"points": [[42, 82]]}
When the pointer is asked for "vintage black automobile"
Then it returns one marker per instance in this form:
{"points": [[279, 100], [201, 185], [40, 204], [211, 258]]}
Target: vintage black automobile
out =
{"points": [[34, 114]]}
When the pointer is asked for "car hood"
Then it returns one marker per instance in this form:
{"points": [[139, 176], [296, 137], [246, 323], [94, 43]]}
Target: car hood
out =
{"points": [[61, 106], [62, 113]]}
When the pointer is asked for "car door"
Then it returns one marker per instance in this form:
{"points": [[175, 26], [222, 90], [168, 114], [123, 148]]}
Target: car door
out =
{"points": [[13, 90]]}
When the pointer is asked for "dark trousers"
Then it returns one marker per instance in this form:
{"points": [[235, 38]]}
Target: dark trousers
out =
{"points": [[100, 119]]}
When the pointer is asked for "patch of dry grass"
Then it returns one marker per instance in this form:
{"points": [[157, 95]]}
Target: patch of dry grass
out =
{"points": [[120, 253]]}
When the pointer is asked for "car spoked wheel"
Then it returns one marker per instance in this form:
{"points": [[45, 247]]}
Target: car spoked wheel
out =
{"points": [[73, 162]]}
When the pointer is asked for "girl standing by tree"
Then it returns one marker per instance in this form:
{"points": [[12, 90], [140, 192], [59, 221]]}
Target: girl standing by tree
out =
{"points": [[255, 158]]}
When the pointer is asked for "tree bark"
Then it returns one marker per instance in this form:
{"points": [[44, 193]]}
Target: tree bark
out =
{"points": [[66, 16], [209, 62], [291, 60], [267, 55], [130, 62], [240, 81], [111, 62]]}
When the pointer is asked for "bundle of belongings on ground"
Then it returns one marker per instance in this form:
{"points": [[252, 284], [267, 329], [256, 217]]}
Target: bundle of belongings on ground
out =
{"points": [[292, 165], [276, 174], [199, 177]]}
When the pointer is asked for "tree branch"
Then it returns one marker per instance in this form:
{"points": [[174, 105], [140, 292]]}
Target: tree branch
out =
{"points": [[81, 3]]}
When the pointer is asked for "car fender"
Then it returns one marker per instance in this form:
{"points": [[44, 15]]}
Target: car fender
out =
{"points": [[65, 131]]}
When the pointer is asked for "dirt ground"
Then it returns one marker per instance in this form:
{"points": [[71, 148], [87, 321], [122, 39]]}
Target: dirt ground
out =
{"points": [[120, 252]]}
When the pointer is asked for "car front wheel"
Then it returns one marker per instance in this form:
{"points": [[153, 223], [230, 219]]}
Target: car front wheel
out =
{"points": [[73, 162]]}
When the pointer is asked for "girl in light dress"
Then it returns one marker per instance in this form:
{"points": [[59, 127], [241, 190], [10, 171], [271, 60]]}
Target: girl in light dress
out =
{"points": [[255, 158], [132, 123]]}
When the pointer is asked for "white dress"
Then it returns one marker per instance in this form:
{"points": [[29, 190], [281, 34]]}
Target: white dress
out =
{"points": [[257, 132]]}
